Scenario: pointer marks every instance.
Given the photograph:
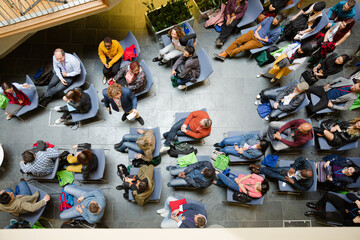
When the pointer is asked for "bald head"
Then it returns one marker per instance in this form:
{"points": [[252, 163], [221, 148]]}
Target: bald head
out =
{"points": [[306, 173], [59, 55], [305, 127]]}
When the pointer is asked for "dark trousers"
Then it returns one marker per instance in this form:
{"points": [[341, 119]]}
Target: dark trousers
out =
{"points": [[56, 87], [339, 203], [111, 72], [175, 130], [322, 104], [226, 30]]}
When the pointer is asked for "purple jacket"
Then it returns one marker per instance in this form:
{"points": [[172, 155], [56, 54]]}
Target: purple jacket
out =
{"points": [[238, 11]]}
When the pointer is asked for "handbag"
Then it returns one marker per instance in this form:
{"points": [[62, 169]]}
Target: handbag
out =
{"points": [[216, 153], [241, 197], [222, 162], [3, 101], [309, 77]]}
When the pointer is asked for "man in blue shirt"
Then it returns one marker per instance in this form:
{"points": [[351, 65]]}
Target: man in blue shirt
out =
{"points": [[342, 10], [266, 33]]}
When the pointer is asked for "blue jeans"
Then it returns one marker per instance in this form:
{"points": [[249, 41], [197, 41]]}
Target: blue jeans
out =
{"points": [[55, 86], [181, 81], [272, 94], [274, 172], [227, 145], [76, 192], [23, 189], [168, 222], [228, 182], [175, 130], [129, 141], [177, 182]]}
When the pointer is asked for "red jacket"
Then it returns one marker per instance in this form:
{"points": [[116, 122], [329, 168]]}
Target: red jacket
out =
{"points": [[299, 138], [193, 121]]}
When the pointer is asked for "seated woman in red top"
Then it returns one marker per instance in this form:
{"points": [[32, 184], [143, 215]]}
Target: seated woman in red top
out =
{"points": [[252, 184], [17, 99], [196, 125]]}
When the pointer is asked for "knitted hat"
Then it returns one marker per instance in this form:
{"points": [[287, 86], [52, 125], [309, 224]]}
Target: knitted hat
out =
{"points": [[303, 86]]}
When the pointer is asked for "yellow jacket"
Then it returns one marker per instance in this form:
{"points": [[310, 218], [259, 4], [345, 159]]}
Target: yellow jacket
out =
{"points": [[114, 53]]}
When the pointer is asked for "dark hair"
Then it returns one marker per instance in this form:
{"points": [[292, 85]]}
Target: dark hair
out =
{"points": [[143, 185], [280, 17], [264, 187], [356, 173], [5, 198], [84, 157], [264, 145], [345, 57], [73, 94], [351, 3], [201, 222], [7, 85], [94, 207], [190, 49], [209, 173], [319, 6], [107, 40], [28, 156]]}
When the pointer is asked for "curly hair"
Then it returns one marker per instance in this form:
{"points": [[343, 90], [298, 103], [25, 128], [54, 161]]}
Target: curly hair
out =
{"points": [[352, 130], [113, 90], [179, 31]]}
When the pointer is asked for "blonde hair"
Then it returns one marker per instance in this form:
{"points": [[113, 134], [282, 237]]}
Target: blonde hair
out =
{"points": [[113, 90], [352, 130]]}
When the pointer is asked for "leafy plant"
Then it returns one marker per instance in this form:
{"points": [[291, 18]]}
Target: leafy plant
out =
{"points": [[174, 12], [205, 5]]}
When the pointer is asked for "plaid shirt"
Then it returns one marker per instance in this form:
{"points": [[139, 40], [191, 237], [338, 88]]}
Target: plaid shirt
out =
{"points": [[43, 163]]}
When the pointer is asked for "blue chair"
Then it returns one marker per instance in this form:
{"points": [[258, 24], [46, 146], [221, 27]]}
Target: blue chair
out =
{"points": [[34, 216], [98, 174], [229, 193], [32, 94], [77, 117], [288, 188], [206, 68], [149, 79], [81, 79], [156, 195], [323, 22], [325, 146], [331, 208], [166, 39], [356, 160], [129, 40], [157, 142], [178, 117], [252, 12], [240, 160], [255, 50], [295, 2], [48, 178], [315, 99], [302, 105]]}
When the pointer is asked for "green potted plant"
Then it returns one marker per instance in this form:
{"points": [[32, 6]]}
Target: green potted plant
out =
{"points": [[201, 7], [160, 20]]}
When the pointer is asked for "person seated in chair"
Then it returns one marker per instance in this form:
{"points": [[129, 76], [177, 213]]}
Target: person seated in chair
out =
{"points": [[77, 101], [40, 163], [347, 214], [339, 133], [90, 205], [83, 162], [286, 100], [271, 10], [67, 70], [143, 143], [266, 33], [196, 125], [299, 174], [132, 76], [335, 92], [297, 132], [342, 10], [186, 68], [330, 65], [22, 202], [187, 215], [197, 175], [249, 146]]}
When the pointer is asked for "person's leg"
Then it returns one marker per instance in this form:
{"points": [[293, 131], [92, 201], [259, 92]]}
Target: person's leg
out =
{"points": [[65, 115], [230, 141], [320, 92], [171, 55], [273, 128], [227, 30], [183, 81], [168, 223], [106, 71], [278, 145], [275, 113], [229, 150], [24, 188], [172, 133], [75, 191], [266, 72], [52, 84], [176, 171], [130, 145], [178, 182], [167, 202], [70, 213], [230, 183], [252, 44], [165, 50], [114, 68], [271, 94], [274, 172], [59, 87], [240, 40]]}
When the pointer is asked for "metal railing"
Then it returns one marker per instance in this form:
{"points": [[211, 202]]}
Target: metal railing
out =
{"points": [[15, 11]]}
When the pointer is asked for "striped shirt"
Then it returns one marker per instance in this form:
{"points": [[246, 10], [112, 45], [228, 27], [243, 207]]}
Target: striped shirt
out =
{"points": [[43, 163]]}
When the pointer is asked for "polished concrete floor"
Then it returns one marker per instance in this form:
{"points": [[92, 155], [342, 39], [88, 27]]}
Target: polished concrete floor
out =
{"points": [[229, 99]]}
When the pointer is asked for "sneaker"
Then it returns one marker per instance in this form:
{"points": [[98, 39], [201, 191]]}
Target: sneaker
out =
{"points": [[161, 63], [60, 120], [258, 96], [117, 145], [164, 148], [219, 57], [257, 102], [156, 59], [126, 196], [312, 205], [216, 145], [70, 123], [259, 75], [273, 80], [219, 43], [161, 211], [267, 118], [104, 80], [181, 87], [309, 213], [120, 187], [57, 108], [169, 184], [168, 168], [218, 149], [165, 214], [140, 120]]}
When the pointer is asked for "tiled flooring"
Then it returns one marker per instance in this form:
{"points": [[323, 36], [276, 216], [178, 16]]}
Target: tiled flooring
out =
{"points": [[229, 99]]}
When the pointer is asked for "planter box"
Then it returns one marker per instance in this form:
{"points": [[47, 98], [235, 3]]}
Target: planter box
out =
{"points": [[195, 10]]}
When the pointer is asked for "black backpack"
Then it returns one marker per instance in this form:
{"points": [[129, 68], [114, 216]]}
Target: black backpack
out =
{"points": [[81, 224], [173, 152], [45, 76]]}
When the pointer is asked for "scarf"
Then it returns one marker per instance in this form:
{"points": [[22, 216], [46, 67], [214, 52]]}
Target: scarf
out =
{"points": [[19, 96]]}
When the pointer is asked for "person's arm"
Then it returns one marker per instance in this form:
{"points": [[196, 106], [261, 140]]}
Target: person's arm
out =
{"points": [[118, 55], [252, 153], [300, 187], [294, 103], [133, 99], [283, 93], [286, 126], [194, 166], [202, 133], [52, 153], [56, 68], [27, 168], [243, 177], [106, 98], [84, 146], [190, 117], [242, 12], [333, 9], [178, 62], [101, 53], [75, 63], [121, 72], [297, 15], [347, 105], [326, 37], [32, 207], [343, 38], [192, 182], [299, 162]]}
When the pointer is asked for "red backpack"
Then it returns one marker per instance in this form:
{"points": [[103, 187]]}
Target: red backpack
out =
{"points": [[130, 53]]}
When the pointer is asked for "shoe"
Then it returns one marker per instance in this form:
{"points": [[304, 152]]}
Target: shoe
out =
{"points": [[312, 205], [259, 75], [57, 108], [104, 80], [169, 185], [255, 166], [70, 123], [140, 120], [102, 100], [218, 149], [165, 214], [60, 120], [117, 145], [9, 117], [126, 196], [219, 57], [161, 63], [273, 80], [216, 145], [181, 87], [164, 148], [156, 59], [219, 43], [257, 102], [123, 118], [267, 118], [168, 168], [258, 96], [161, 211], [120, 187], [309, 213]]}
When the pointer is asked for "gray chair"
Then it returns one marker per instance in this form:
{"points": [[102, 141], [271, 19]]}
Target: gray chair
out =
{"points": [[315, 99], [34, 216], [323, 22], [356, 160], [240, 160], [156, 195], [157, 142], [229, 193], [149, 79], [166, 39], [98, 174], [81, 79], [48, 178], [252, 12], [302, 105], [325, 146], [295, 2], [288, 188], [129, 40], [178, 117], [32, 94]]}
